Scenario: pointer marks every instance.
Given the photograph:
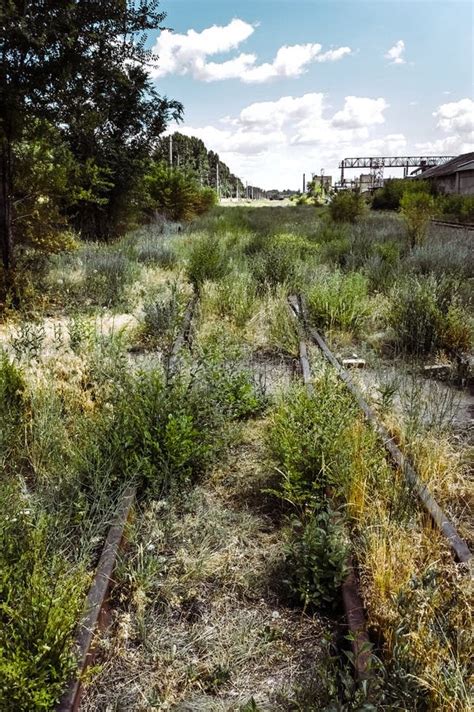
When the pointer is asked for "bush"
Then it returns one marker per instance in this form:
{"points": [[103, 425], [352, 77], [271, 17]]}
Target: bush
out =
{"points": [[305, 439], [389, 197], [162, 318], [41, 596], [235, 297], [417, 209], [317, 558], [456, 207], [347, 206], [338, 301], [107, 275], [176, 194], [156, 252], [426, 314], [207, 260]]}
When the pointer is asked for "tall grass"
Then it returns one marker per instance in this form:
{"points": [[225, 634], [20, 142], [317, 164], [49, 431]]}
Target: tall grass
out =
{"points": [[339, 301]]}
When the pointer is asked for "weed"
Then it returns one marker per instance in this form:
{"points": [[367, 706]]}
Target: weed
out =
{"points": [[317, 558], [207, 260], [426, 314], [28, 340], [338, 301], [347, 206]]}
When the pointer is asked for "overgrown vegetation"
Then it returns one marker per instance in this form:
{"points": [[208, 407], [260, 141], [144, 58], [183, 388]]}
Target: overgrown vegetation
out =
{"points": [[88, 403]]}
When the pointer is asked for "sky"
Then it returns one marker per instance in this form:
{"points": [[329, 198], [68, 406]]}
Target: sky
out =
{"points": [[283, 87]]}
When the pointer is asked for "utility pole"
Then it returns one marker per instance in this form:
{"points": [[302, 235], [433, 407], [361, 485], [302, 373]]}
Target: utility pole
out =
{"points": [[171, 150], [304, 182], [218, 187]]}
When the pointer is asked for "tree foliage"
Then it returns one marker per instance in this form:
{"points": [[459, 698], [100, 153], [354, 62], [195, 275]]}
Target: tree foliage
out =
{"points": [[78, 69], [189, 154]]}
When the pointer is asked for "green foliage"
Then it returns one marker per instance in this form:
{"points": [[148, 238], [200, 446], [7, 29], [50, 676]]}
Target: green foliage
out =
{"points": [[207, 260], [163, 318], [317, 557], [426, 314], [338, 301], [40, 599], [456, 207], [176, 194], [12, 402], [389, 197], [347, 206], [235, 297], [164, 435], [304, 439], [417, 209], [108, 273]]}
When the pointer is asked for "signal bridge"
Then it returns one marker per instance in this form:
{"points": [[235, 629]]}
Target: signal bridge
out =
{"points": [[376, 164]]}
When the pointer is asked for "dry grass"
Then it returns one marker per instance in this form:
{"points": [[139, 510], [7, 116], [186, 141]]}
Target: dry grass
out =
{"points": [[201, 626]]}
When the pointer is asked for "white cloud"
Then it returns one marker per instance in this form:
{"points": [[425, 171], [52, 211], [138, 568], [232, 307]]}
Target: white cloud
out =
{"points": [[186, 54], [456, 116], [457, 120], [394, 54], [359, 112], [271, 142]]}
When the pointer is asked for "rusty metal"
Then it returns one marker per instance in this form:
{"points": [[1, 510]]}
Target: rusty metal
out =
{"points": [[95, 617], [457, 544]]}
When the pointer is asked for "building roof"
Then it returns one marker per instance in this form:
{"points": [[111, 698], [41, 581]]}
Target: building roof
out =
{"points": [[464, 162]]}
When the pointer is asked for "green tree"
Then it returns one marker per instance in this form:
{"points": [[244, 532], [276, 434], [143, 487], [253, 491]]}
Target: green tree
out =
{"points": [[417, 209], [81, 66], [347, 206]]}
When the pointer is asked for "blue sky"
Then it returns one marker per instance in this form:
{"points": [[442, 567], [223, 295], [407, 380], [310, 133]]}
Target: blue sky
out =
{"points": [[279, 87]]}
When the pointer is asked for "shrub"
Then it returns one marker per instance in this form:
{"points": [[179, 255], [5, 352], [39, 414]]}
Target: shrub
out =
{"points": [[347, 206], [317, 558], [338, 301], [235, 298], [206, 198], [278, 262], [156, 252], [417, 209], [390, 196], [162, 318], [207, 260], [107, 275], [457, 207], [305, 438], [41, 597], [176, 194], [426, 314]]}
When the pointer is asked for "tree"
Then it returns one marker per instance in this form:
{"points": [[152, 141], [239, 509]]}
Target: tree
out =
{"points": [[417, 209], [347, 206], [68, 63]]}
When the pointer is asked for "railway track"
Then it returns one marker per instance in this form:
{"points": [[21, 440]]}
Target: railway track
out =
{"points": [[448, 223], [457, 544], [96, 616], [96, 611]]}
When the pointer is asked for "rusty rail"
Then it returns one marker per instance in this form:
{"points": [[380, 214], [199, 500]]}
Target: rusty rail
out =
{"points": [[457, 544], [95, 617]]}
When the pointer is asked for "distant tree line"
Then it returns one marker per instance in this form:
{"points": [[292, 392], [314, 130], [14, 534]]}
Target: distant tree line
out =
{"points": [[190, 155]]}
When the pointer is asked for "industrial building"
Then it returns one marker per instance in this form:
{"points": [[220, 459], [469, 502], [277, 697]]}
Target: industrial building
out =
{"points": [[455, 176]]}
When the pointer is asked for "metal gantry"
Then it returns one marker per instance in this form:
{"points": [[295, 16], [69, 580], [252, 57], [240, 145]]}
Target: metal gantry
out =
{"points": [[376, 164]]}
